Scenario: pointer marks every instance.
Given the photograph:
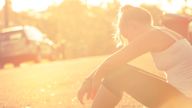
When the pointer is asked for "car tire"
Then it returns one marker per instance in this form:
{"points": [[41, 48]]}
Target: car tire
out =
{"points": [[38, 56]]}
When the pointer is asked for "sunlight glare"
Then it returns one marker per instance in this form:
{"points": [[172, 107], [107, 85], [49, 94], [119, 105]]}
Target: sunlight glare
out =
{"points": [[189, 3], [151, 2], [139, 2], [93, 2], [99, 3], [35, 5], [131, 2], [172, 7], [41, 5], [165, 5], [2, 2]]}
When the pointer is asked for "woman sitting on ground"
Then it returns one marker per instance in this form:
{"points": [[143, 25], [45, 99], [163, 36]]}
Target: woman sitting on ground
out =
{"points": [[171, 53]]}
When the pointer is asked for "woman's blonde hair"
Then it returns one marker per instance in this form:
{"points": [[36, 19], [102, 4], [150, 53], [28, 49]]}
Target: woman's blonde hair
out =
{"points": [[131, 13]]}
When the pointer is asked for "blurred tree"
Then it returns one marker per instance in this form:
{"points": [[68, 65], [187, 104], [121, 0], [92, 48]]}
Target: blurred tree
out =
{"points": [[6, 11], [84, 30], [1, 19], [87, 30]]}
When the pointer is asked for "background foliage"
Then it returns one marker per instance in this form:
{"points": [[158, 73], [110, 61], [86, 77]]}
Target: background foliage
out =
{"points": [[84, 30]]}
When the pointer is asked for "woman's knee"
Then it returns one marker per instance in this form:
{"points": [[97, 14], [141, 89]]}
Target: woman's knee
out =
{"points": [[105, 98], [178, 102], [117, 80], [112, 86]]}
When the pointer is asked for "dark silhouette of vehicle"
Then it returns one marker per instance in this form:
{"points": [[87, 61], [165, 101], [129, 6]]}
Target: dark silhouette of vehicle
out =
{"points": [[25, 43]]}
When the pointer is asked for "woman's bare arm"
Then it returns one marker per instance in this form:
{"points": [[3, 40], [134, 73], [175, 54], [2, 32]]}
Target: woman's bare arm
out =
{"points": [[155, 41], [133, 50]]}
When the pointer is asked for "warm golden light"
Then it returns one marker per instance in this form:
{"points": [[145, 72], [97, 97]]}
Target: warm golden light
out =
{"points": [[189, 3], [41, 5], [35, 5], [165, 5], [2, 2], [100, 3], [151, 2], [131, 2], [172, 7]]}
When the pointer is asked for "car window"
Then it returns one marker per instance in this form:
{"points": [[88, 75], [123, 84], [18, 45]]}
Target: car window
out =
{"points": [[34, 34], [11, 42], [11, 36]]}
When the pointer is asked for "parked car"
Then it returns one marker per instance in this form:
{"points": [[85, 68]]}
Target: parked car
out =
{"points": [[23, 43]]}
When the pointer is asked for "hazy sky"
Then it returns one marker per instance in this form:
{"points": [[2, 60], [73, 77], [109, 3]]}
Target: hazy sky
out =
{"points": [[40, 5], [36, 5]]}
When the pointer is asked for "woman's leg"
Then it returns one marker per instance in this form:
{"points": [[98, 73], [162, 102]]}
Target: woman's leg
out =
{"points": [[144, 87], [105, 99]]}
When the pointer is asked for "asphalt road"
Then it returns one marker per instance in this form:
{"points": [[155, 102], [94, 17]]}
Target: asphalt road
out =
{"points": [[45, 85], [51, 84]]}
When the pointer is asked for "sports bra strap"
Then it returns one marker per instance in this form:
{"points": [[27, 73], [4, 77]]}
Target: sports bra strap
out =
{"points": [[171, 34]]}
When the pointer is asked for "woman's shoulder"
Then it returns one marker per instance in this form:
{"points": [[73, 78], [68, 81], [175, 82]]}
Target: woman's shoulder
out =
{"points": [[155, 33], [161, 38], [157, 30], [166, 32]]}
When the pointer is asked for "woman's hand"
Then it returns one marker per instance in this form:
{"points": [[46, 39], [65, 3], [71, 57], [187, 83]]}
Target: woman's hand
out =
{"points": [[89, 88]]}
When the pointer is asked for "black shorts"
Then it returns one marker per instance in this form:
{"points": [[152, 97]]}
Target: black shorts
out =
{"points": [[116, 80], [143, 86]]}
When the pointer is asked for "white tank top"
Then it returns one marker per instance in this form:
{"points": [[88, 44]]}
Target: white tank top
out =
{"points": [[176, 61]]}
